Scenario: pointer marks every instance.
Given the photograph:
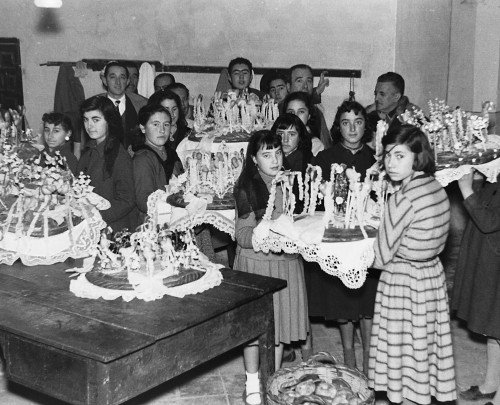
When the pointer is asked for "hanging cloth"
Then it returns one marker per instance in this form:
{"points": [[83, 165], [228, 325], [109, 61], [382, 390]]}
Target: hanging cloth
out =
{"points": [[145, 86], [68, 96]]}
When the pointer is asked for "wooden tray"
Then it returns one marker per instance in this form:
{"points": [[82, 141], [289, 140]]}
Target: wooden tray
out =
{"points": [[332, 234], [119, 281], [231, 137], [225, 203]]}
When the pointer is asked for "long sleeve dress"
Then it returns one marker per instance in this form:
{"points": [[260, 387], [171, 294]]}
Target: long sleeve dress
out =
{"points": [[476, 289], [290, 304], [411, 352], [328, 297]]}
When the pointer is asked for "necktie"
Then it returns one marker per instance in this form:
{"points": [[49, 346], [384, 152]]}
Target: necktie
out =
{"points": [[117, 106]]}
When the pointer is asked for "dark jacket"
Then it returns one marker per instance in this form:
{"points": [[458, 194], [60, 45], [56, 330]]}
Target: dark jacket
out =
{"points": [[117, 188]]}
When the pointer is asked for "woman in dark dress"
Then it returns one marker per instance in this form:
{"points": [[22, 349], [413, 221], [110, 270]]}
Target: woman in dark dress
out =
{"points": [[328, 296], [172, 102], [57, 132], [476, 289], [107, 163], [154, 161]]}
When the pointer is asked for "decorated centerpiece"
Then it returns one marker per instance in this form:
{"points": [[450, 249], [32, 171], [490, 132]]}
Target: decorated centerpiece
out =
{"points": [[457, 137], [46, 215], [350, 216], [146, 264], [213, 154]]}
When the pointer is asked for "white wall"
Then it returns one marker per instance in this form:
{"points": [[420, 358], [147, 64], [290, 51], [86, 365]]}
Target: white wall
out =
{"points": [[347, 34]]}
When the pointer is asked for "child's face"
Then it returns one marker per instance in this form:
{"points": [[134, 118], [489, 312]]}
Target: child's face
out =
{"points": [[54, 135], [352, 128], [289, 139], [172, 108], [278, 90], [157, 129], [95, 125], [398, 162], [269, 161], [241, 76], [298, 108]]}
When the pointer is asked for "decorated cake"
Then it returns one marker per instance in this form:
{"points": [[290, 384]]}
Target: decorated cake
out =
{"points": [[47, 215], [349, 213], [146, 264], [457, 137], [214, 152]]}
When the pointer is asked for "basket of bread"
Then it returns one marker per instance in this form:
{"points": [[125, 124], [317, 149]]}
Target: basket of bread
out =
{"points": [[321, 380]]}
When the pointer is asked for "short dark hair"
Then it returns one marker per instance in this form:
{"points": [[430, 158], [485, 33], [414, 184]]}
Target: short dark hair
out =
{"points": [[169, 75], [287, 120], [269, 76], [416, 141], [239, 61], [301, 96], [346, 107], [115, 63], [57, 118], [177, 86], [299, 66], [394, 78], [149, 110]]}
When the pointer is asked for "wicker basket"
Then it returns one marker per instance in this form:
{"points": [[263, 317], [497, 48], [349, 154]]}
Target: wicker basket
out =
{"points": [[324, 366]]}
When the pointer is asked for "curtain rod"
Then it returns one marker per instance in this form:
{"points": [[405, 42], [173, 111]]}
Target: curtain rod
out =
{"points": [[98, 65]]}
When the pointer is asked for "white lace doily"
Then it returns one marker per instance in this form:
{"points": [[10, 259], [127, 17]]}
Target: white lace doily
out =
{"points": [[82, 288], [79, 242], [490, 170], [180, 219], [348, 261]]}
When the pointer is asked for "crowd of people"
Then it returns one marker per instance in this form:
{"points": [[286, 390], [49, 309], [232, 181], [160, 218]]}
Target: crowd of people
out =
{"points": [[128, 148]]}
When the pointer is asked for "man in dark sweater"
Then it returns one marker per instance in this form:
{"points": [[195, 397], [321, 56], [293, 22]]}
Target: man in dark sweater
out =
{"points": [[390, 100]]}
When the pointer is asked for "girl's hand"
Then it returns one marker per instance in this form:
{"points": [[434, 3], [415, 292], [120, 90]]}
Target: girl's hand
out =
{"points": [[465, 184]]}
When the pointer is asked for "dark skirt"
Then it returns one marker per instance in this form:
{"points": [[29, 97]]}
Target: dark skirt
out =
{"points": [[330, 299]]}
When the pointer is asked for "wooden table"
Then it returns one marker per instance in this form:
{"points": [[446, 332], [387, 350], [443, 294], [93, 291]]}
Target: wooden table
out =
{"points": [[105, 352]]}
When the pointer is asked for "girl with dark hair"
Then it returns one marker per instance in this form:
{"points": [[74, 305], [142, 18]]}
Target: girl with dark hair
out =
{"points": [[300, 104], [263, 161], [411, 355], [329, 298], [295, 141], [172, 102], [154, 161], [57, 132], [107, 163]]}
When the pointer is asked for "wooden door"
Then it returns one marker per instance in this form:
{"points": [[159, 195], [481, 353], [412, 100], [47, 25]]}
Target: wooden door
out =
{"points": [[11, 82]]}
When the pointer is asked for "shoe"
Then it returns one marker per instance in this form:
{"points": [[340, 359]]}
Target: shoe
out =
{"points": [[252, 398], [473, 394]]}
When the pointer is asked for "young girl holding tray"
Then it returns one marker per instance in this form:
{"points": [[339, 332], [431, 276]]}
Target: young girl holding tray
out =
{"points": [[411, 354], [264, 160]]}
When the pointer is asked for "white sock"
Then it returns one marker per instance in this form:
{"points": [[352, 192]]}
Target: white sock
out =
{"points": [[252, 385]]}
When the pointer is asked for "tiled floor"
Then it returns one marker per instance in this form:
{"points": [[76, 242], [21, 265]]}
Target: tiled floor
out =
{"points": [[221, 381]]}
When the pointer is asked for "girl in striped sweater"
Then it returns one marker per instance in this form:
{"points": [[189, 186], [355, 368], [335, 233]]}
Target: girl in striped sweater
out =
{"points": [[410, 348]]}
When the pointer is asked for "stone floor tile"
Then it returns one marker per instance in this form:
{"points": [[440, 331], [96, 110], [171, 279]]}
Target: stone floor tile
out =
{"points": [[202, 386], [204, 400], [234, 384]]}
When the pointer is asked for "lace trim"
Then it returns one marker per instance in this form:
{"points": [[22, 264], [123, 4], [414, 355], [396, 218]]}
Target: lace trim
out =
{"points": [[78, 242], [82, 288], [490, 170], [215, 218], [348, 261]]}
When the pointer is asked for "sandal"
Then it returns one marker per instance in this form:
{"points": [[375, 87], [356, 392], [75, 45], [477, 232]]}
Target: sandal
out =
{"points": [[252, 398]]}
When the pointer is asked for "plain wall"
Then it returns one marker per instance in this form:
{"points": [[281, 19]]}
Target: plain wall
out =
{"points": [[348, 34], [433, 43]]}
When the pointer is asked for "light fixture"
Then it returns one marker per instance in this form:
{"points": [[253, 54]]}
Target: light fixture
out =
{"points": [[48, 3]]}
